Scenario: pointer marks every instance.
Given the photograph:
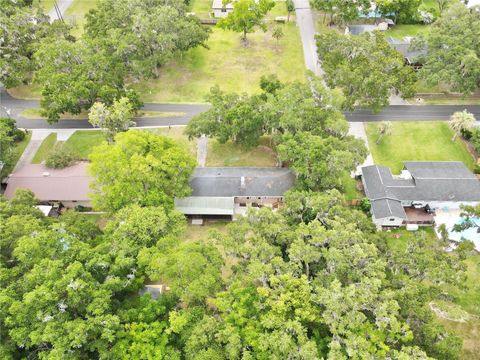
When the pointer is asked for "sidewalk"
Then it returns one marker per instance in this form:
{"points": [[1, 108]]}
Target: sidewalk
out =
{"points": [[357, 129]]}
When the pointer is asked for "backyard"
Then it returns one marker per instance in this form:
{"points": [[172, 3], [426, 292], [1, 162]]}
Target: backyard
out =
{"points": [[416, 141]]}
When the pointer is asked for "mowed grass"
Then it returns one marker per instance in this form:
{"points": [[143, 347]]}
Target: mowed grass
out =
{"points": [[18, 150], [400, 31], [416, 141], [176, 133], [75, 15], [231, 154], [45, 147], [229, 64], [82, 142]]}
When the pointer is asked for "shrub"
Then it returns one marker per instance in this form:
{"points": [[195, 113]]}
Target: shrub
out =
{"points": [[365, 205], [476, 169], [60, 157], [467, 133], [18, 135], [475, 139]]}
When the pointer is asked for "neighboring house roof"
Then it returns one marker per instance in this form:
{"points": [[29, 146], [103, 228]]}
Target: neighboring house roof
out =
{"points": [[241, 181], [204, 205], [472, 3], [218, 4], [430, 181], [69, 184], [403, 46], [360, 29]]}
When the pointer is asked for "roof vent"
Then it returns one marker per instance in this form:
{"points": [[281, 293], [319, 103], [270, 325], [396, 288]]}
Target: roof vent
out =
{"points": [[242, 182], [46, 174]]}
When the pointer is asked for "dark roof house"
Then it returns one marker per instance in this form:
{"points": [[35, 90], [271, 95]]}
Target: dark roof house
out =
{"points": [[420, 182], [413, 56]]}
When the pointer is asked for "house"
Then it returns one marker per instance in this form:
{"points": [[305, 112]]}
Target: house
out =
{"points": [[215, 191], [231, 191], [221, 10], [68, 186], [421, 189], [413, 57]]}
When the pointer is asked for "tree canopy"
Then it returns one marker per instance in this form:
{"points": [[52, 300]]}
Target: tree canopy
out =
{"points": [[453, 50], [365, 67], [139, 168]]}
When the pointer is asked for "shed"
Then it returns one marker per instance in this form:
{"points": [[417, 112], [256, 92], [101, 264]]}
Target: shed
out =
{"points": [[220, 9]]}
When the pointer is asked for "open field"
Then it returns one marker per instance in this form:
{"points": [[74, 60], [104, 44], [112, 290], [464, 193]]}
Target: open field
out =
{"points": [[176, 132], [228, 63], [46, 146], [230, 154], [18, 150], [421, 141]]}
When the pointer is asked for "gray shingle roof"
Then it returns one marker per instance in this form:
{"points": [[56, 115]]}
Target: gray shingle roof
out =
{"points": [[431, 181], [386, 207], [404, 47], [222, 182]]}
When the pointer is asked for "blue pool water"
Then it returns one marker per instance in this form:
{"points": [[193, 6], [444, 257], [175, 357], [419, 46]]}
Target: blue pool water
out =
{"points": [[468, 234]]}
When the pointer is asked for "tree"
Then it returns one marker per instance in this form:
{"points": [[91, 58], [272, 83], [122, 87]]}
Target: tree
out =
{"points": [[461, 120], [6, 142], [246, 15], [383, 129], [346, 10], [365, 67], [453, 55], [114, 118], [23, 29], [404, 11], [321, 163], [145, 34], [290, 8], [76, 75], [139, 168], [277, 33]]}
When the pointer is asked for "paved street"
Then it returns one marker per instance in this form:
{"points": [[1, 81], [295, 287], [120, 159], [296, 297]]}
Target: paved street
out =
{"points": [[63, 5], [307, 33]]}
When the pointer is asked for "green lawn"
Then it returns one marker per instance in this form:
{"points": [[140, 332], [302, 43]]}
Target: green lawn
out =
{"points": [[176, 132], [18, 150], [230, 154], [228, 63], [47, 145], [421, 141], [350, 188], [82, 142], [34, 113], [75, 14], [400, 31]]}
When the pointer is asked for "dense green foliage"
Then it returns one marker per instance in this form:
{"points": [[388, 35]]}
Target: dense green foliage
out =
{"points": [[246, 15], [60, 157], [313, 280], [9, 135], [344, 10], [365, 67], [305, 120], [139, 168], [453, 55]]}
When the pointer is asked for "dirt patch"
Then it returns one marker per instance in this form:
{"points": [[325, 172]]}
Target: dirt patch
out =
{"points": [[451, 312]]}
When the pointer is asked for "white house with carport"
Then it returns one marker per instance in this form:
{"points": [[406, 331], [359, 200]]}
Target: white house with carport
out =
{"points": [[420, 190]]}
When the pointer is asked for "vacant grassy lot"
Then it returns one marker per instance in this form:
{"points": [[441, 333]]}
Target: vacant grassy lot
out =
{"points": [[17, 152], [176, 132], [421, 141], [47, 145], [230, 154], [228, 63]]}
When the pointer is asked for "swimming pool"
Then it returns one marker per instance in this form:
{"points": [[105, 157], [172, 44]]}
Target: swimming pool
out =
{"points": [[471, 234]]}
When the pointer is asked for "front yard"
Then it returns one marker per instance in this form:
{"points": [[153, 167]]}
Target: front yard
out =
{"points": [[416, 141]]}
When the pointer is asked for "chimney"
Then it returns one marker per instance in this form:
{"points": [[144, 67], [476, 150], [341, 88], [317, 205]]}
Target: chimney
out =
{"points": [[242, 182]]}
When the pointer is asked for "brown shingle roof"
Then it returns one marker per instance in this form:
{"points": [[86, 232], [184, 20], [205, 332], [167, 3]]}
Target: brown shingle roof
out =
{"points": [[69, 184]]}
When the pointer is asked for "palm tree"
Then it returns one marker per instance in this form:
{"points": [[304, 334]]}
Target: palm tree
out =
{"points": [[461, 120], [384, 128]]}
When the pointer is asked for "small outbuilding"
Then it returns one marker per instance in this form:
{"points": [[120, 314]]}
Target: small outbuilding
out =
{"points": [[221, 10]]}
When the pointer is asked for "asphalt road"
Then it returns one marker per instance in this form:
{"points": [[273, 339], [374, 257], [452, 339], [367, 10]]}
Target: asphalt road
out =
{"points": [[306, 26], [391, 113]]}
